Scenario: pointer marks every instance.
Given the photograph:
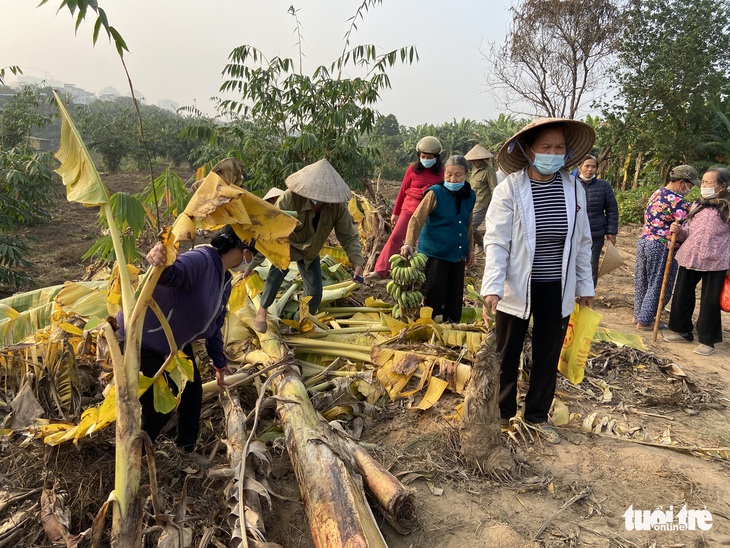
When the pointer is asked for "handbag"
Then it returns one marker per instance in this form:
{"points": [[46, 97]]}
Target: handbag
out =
{"points": [[725, 295]]}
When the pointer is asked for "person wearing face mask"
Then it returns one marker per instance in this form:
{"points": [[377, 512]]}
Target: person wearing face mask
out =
{"points": [[318, 196], [665, 206], [602, 209], [537, 259], [425, 172], [704, 256], [483, 179], [442, 227], [193, 295]]}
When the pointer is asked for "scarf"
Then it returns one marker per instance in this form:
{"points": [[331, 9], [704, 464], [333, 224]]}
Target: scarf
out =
{"points": [[459, 195]]}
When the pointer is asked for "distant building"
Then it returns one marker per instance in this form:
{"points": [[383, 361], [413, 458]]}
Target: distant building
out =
{"points": [[167, 104], [25, 80], [78, 96], [109, 94]]}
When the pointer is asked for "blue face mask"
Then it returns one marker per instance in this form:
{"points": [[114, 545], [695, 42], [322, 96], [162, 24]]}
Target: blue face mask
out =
{"points": [[428, 163], [453, 187], [548, 164]]}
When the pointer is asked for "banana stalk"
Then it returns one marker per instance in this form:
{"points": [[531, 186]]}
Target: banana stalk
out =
{"points": [[333, 497]]}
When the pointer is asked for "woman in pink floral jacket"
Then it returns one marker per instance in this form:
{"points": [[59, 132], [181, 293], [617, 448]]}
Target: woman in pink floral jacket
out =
{"points": [[665, 206], [704, 256]]}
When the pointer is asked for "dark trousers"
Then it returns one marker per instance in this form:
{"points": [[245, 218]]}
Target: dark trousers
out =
{"points": [[444, 289], [188, 411], [596, 248], [311, 280], [709, 322], [548, 332]]}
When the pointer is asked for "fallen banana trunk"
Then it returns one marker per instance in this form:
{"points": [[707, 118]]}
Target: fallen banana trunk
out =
{"points": [[323, 461], [394, 499], [244, 504], [338, 512]]}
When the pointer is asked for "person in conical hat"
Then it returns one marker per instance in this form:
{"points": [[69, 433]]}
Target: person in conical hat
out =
{"points": [[319, 197], [537, 259], [272, 195], [483, 179]]}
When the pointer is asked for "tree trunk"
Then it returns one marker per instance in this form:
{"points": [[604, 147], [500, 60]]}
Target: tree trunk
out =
{"points": [[333, 497], [481, 444], [639, 158]]}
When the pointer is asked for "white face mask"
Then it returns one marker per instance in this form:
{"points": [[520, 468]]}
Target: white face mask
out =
{"points": [[708, 192], [243, 266]]}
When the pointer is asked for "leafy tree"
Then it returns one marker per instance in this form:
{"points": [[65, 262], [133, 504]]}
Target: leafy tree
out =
{"points": [[300, 118], [19, 116], [386, 126], [672, 67], [26, 184], [555, 54], [109, 128]]}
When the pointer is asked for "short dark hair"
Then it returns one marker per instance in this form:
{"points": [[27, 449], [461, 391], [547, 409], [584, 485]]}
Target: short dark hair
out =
{"points": [[227, 239]]}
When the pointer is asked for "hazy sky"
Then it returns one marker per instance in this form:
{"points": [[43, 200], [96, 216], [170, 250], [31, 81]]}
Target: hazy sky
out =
{"points": [[178, 48]]}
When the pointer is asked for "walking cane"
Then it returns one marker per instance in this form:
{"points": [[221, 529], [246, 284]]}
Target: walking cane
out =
{"points": [[667, 268]]}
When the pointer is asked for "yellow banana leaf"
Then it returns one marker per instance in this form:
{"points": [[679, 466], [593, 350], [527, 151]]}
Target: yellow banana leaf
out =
{"points": [[270, 227], [239, 293], [84, 299], [354, 210], [79, 175], [631, 340], [337, 253], [96, 418], [435, 390], [217, 203]]}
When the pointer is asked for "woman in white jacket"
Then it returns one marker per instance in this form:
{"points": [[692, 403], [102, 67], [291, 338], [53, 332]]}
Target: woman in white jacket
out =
{"points": [[537, 247]]}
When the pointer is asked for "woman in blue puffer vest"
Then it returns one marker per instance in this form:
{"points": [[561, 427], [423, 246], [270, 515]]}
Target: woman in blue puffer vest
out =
{"points": [[602, 209], [442, 226]]}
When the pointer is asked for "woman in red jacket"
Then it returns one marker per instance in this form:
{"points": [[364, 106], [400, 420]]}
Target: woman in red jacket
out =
{"points": [[419, 177]]}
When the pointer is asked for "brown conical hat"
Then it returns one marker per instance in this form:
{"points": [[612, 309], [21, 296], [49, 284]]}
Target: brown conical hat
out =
{"points": [[230, 170], [319, 181], [579, 137], [478, 152], [273, 192], [610, 261]]}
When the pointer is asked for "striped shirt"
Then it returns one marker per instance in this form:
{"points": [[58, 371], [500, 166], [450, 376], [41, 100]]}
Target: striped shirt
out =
{"points": [[551, 225]]}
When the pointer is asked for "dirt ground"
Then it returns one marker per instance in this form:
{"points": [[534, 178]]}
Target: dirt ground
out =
{"points": [[579, 489]]}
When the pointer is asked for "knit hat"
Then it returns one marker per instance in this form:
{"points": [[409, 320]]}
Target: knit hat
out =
{"points": [[478, 152], [319, 181], [579, 138]]}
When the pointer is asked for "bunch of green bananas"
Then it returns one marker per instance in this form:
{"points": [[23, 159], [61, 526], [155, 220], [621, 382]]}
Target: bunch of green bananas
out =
{"points": [[408, 270], [407, 276]]}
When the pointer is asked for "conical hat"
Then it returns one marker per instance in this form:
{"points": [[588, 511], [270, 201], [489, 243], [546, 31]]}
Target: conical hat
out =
{"points": [[230, 170], [610, 261], [273, 192], [478, 152], [319, 181], [579, 138]]}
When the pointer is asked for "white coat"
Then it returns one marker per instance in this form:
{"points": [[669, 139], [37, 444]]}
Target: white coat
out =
{"points": [[510, 240]]}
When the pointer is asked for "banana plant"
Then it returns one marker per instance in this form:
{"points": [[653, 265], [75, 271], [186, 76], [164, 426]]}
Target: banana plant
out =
{"points": [[215, 204]]}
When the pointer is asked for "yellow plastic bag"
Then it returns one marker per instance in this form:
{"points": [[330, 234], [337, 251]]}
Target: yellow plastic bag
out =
{"points": [[581, 329]]}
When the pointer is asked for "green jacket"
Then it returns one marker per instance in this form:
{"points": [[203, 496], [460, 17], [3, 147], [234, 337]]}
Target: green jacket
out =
{"points": [[307, 241], [483, 181]]}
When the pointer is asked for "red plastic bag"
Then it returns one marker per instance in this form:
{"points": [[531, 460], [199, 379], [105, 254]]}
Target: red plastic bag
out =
{"points": [[725, 295]]}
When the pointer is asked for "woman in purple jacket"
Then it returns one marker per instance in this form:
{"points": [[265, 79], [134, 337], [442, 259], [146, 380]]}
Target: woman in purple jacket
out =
{"points": [[704, 256], [193, 294]]}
